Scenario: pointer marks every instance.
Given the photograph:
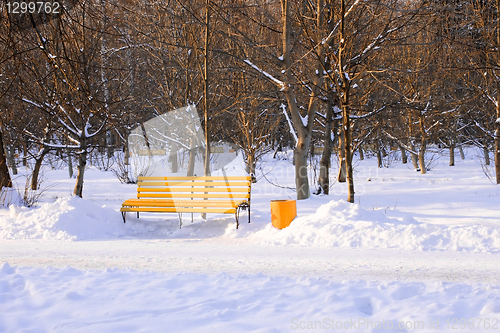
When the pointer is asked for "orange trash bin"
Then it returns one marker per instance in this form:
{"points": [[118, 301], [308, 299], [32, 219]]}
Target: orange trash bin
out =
{"points": [[283, 212]]}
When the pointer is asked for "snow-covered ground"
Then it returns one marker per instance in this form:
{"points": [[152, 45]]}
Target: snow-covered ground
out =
{"points": [[416, 253]]}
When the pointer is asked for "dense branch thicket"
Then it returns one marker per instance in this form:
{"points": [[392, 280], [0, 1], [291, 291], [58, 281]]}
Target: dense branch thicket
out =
{"points": [[345, 75]]}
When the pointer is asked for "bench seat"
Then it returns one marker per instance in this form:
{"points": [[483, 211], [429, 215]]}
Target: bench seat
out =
{"points": [[218, 195]]}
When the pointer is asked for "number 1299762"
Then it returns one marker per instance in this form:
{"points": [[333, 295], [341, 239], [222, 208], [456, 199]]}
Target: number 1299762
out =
{"points": [[33, 7]]}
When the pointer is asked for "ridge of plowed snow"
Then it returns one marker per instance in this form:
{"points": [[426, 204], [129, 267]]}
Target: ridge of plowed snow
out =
{"points": [[70, 218], [334, 224], [341, 224]]}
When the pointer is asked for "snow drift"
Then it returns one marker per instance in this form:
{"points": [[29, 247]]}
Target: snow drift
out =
{"points": [[341, 224], [70, 218], [334, 224]]}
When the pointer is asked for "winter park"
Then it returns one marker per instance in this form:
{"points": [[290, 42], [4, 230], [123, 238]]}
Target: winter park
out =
{"points": [[249, 166]]}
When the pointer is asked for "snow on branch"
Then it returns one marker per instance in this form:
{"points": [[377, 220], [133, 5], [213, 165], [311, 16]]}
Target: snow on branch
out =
{"points": [[369, 114], [331, 34], [485, 131], [88, 135], [283, 108], [167, 138], [402, 144], [280, 83]]}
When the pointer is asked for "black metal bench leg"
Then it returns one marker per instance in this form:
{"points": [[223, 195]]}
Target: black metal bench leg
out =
{"points": [[123, 216], [137, 214], [180, 220], [236, 216]]}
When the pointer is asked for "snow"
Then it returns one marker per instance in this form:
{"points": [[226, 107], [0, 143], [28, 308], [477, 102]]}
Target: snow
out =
{"points": [[413, 253], [70, 218], [339, 223], [280, 83], [71, 300], [289, 121]]}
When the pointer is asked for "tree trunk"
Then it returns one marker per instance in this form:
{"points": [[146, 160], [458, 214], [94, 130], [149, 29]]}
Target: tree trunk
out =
{"points": [[361, 153], [126, 158], [82, 162], [324, 163], [174, 163], [461, 151], [452, 154], [70, 165], [486, 153], [205, 88], [421, 156], [36, 169], [5, 180], [304, 131], [11, 160], [346, 111], [414, 157], [301, 179], [348, 155], [497, 153], [497, 122], [342, 177], [192, 158], [379, 154], [404, 158], [25, 152], [250, 166]]}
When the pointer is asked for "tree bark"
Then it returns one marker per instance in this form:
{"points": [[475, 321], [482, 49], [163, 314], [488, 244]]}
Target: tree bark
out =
{"points": [[304, 131], [486, 153], [379, 154], [342, 176], [404, 158], [5, 180], [11, 160], [36, 169], [423, 145], [452, 154], [192, 158], [70, 165], [346, 112], [421, 156], [461, 151], [324, 163], [361, 153], [497, 123], [205, 88], [82, 162], [414, 157], [250, 167], [174, 163], [25, 152]]}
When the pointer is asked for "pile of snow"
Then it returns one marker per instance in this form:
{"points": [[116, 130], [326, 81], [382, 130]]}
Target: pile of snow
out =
{"points": [[341, 224], [335, 224], [70, 218], [70, 300]]}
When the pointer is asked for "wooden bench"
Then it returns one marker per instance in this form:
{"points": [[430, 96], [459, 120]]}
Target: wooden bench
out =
{"points": [[226, 195]]}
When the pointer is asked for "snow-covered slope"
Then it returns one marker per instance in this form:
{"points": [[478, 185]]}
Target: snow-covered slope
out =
{"points": [[334, 224], [415, 253]]}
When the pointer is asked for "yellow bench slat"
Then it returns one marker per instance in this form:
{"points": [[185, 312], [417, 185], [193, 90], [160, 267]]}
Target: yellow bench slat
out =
{"points": [[196, 189], [175, 203], [222, 195], [178, 210], [196, 178], [225, 184]]}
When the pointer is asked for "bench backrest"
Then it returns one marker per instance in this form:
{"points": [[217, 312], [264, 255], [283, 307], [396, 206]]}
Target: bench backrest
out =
{"points": [[218, 188]]}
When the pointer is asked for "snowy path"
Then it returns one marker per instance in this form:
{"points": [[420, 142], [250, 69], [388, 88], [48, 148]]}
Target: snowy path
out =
{"points": [[417, 253], [215, 256]]}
